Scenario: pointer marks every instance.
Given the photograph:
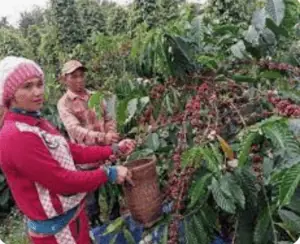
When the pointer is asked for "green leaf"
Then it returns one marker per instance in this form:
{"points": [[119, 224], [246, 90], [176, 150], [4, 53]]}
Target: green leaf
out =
{"points": [[199, 229], [276, 9], [199, 189], [244, 78], [295, 202], [270, 74], [277, 30], [2, 178], [238, 194], [225, 183], [209, 218], [222, 201], [135, 105], [2, 186], [245, 228], [247, 181], [262, 227], [141, 154], [246, 144], [224, 29], [152, 141], [239, 50], [128, 236], [210, 160], [121, 113], [95, 103], [268, 165], [282, 138], [291, 220], [191, 156], [131, 108], [113, 240], [190, 236], [4, 196], [209, 62], [164, 238], [115, 226], [266, 122], [252, 36], [259, 19], [288, 185], [111, 101], [168, 104], [216, 153], [267, 38]]}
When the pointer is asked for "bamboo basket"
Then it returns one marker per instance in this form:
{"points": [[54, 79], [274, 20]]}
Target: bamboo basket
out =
{"points": [[144, 199]]}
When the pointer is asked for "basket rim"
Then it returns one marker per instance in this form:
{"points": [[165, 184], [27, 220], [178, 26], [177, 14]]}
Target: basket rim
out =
{"points": [[150, 158]]}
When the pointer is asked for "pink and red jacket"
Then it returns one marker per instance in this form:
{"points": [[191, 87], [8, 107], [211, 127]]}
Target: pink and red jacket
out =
{"points": [[40, 167]]}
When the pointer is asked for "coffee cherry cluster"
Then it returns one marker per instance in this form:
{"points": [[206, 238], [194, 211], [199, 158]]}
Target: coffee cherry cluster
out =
{"points": [[177, 187], [173, 231], [257, 162], [279, 66], [284, 107], [157, 91]]}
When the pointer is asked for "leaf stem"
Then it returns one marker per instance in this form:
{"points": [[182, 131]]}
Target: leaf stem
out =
{"points": [[270, 214]]}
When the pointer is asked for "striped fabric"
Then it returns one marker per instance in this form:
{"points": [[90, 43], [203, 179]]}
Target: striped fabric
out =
{"points": [[61, 153]]}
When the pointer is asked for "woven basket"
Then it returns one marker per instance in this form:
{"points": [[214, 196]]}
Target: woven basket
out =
{"points": [[143, 199]]}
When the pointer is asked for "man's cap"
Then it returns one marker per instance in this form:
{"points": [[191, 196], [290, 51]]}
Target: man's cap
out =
{"points": [[70, 66]]}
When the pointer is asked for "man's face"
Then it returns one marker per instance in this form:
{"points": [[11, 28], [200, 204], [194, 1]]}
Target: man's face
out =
{"points": [[75, 81]]}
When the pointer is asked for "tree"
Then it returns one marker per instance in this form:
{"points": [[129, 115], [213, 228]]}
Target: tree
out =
{"points": [[117, 20], [34, 39], [169, 9], [91, 15], [231, 11], [3, 22], [48, 48], [144, 11], [29, 18], [70, 31], [12, 43]]}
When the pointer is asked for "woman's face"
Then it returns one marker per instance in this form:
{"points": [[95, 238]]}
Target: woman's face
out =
{"points": [[30, 95]]}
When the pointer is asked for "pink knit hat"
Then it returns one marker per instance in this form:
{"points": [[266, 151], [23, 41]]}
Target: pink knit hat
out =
{"points": [[14, 71]]}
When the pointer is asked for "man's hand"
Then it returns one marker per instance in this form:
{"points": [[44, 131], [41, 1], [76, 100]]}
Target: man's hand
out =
{"points": [[111, 137], [127, 146]]}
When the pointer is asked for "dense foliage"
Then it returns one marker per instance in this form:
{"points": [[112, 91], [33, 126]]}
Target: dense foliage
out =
{"points": [[211, 90]]}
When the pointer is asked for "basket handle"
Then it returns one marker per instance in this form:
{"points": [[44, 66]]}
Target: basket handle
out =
{"points": [[128, 179]]}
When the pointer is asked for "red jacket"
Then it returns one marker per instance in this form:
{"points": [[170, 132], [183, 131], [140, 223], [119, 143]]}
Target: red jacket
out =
{"points": [[39, 165]]}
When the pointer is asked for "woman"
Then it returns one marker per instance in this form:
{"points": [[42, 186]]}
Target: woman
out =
{"points": [[40, 165]]}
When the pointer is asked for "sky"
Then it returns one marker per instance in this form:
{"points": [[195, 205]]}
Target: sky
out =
{"points": [[12, 8]]}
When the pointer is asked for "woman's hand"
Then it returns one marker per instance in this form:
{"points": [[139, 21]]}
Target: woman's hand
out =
{"points": [[127, 146], [123, 174], [111, 137]]}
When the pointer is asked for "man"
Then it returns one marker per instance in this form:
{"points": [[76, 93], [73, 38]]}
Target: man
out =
{"points": [[82, 123]]}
